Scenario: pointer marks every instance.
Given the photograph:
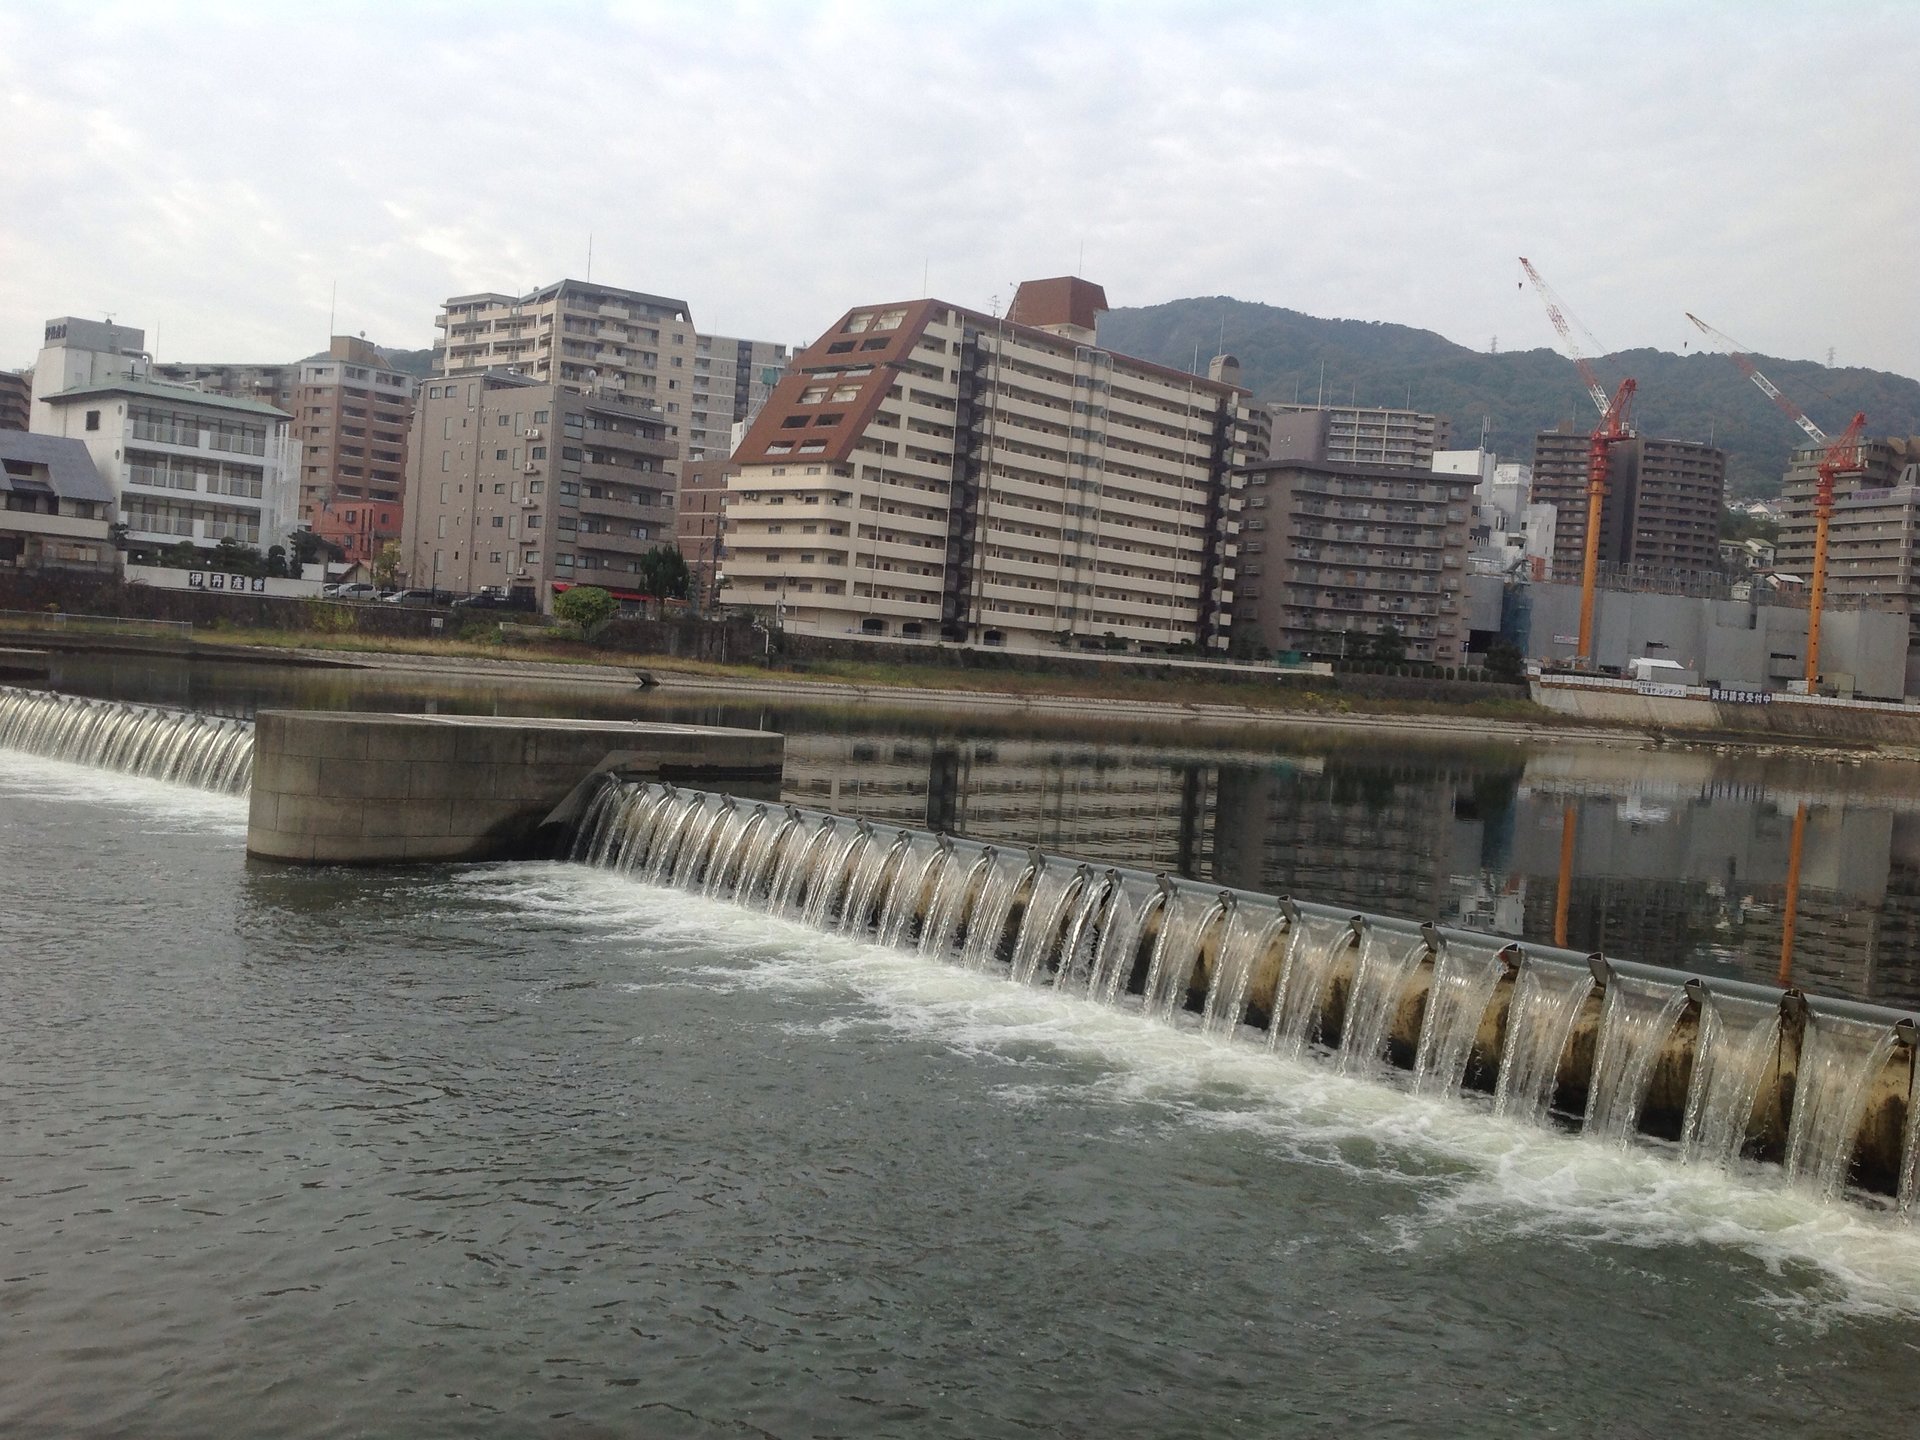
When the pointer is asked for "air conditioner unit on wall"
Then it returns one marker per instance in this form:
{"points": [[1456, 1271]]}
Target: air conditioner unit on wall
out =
{"points": [[532, 434], [533, 469]]}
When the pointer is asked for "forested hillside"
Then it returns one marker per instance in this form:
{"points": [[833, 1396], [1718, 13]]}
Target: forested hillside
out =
{"points": [[1691, 397]]}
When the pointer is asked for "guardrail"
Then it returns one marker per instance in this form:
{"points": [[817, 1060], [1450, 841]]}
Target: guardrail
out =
{"points": [[63, 622]]}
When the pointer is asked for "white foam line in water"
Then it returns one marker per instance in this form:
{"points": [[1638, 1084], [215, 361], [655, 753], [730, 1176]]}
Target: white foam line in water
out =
{"points": [[160, 806], [1477, 1174]]}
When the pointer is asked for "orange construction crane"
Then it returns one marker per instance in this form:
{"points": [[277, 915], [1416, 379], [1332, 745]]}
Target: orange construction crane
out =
{"points": [[1611, 430], [1841, 454]]}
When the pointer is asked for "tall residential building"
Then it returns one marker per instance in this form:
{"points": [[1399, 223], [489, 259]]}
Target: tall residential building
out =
{"points": [[1357, 435], [513, 483], [732, 380], [269, 384], [582, 337], [184, 465], [16, 398], [1870, 538], [931, 471], [1661, 515], [1326, 550], [351, 414], [699, 508]]}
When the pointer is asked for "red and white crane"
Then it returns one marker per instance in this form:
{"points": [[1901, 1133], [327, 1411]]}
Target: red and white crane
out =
{"points": [[1840, 455], [1611, 430]]}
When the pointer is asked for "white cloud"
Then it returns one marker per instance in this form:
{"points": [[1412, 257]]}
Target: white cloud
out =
{"points": [[214, 170]]}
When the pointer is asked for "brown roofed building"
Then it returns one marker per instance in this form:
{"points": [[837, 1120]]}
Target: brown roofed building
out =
{"points": [[928, 471]]}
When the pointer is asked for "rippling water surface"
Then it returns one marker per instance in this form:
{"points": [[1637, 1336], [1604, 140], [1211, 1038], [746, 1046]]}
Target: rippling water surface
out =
{"points": [[529, 1149]]}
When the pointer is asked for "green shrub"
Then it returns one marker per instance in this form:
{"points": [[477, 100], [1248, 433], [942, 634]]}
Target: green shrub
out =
{"points": [[585, 607]]}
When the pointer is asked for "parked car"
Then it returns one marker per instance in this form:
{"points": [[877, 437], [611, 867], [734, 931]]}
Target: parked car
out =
{"points": [[352, 590], [495, 600], [413, 597]]}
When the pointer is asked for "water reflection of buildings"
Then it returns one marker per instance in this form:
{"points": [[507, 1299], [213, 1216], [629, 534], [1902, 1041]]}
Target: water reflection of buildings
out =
{"points": [[1115, 806]]}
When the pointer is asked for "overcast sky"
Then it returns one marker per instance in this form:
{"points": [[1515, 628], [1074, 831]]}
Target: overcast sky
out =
{"points": [[211, 172]]}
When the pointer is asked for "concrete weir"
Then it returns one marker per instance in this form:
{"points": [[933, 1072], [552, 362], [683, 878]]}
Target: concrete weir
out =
{"points": [[341, 788]]}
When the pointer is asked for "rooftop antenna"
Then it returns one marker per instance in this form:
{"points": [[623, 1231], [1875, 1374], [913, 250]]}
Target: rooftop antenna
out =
{"points": [[333, 302], [1320, 400], [1080, 269], [589, 255]]}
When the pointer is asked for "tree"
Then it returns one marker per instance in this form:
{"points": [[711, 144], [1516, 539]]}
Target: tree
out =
{"points": [[386, 565], [1505, 662], [276, 561], [310, 549], [1390, 645], [237, 559], [585, 607], [664, 573]]}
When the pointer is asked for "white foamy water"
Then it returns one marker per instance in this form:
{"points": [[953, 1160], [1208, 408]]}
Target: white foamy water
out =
{"points": [[150, 806], [1472, 1171]]}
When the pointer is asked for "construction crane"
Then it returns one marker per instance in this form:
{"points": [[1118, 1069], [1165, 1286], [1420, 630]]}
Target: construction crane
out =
{"points": [[1611, 430], [1840, 455], [1752, 372]]}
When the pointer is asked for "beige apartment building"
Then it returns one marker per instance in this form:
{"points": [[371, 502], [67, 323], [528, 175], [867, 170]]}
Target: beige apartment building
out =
{"points": [[514, 484], [1357, 435], [351, 414], [1327, 550], [1871, 535], [928, 471]]}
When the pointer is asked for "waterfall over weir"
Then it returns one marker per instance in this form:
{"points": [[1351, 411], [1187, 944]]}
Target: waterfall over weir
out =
{"points": [[205, 751], [1718, 1070]]}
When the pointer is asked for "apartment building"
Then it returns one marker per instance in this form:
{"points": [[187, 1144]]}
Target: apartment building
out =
{"points": [[268, 384], [16, 399], [1661, 515], [1327, 550], [1357, 435], [184, 465], [351, 415], [56, 512], [1870, 537], [732, 380], [928, 471], [514, 483], [699, 509]]}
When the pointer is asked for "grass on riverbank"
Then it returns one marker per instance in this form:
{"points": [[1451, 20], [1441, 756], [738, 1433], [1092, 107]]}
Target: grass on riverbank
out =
{"points": [[1255, 693]]}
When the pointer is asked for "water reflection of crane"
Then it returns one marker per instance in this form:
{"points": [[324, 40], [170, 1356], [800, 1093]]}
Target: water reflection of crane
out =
{"points": [[1793, 893]]}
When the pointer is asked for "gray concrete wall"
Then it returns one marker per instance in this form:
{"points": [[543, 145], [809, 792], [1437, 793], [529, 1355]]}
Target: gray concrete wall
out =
{"points": [[1727, 642], [371, 789]]}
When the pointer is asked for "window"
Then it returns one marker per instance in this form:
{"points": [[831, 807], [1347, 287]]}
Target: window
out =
{"points": [[93, 419], [499, 454], [499, 522]]}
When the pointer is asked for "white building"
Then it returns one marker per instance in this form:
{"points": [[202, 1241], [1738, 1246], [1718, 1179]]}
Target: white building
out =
{"points": [[1511, 534], [183, 465]]}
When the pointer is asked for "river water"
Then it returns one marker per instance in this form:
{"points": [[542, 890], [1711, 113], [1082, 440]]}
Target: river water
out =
{"points": [[537, 1149]]}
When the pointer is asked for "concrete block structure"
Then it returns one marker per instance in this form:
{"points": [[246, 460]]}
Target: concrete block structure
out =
{"points": [[270, 384], [335, 788], [931, 472]]}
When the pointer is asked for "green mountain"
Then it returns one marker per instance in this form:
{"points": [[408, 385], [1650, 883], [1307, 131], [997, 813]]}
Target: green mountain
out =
{"points": [[418, 363], [1517, 393]]}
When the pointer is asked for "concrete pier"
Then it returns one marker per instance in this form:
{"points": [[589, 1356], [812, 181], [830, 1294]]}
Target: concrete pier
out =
{"points": [[340, 788]]}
